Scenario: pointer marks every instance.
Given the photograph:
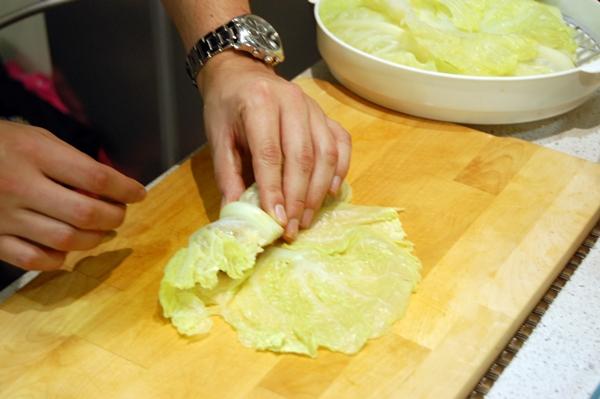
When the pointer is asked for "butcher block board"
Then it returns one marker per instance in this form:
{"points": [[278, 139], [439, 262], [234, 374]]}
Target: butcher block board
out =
{"points": [[494, 220]]}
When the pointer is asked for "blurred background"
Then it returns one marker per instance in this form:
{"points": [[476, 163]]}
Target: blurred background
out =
{"points": [[109, 77]]}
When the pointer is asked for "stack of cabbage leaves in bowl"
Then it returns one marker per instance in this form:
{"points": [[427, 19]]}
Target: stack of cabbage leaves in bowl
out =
{"points": [[469, 37], [465, 61], [343, 281]]}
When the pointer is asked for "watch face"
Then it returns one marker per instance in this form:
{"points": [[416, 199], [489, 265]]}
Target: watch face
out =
{"points": [[258, 33]]}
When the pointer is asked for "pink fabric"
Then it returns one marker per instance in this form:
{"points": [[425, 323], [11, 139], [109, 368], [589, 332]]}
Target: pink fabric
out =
{"points": [[44, 88], [38, 84]]}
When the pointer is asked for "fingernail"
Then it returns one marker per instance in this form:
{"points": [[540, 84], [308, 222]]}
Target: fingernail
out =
{"points": [[280, 214], [335, 184], [223, 202], [291, 230], [307, 218]]}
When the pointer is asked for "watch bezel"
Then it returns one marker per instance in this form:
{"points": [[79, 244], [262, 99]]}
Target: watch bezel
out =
{"points": [[244, 40]]}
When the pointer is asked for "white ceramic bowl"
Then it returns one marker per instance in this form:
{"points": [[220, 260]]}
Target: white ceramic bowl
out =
{"points": [[466, 99]]}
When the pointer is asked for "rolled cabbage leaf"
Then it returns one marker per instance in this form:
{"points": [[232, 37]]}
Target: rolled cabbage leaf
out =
{"points": [[217, 259]]}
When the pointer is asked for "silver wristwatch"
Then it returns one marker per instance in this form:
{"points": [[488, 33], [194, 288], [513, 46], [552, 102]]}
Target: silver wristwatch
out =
{"points": [[249, 33]]}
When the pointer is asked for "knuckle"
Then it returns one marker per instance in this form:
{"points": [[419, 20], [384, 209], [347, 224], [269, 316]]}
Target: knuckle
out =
{"points": [[84, 215], [345, 138], [261, 87], [65, 238], [270, 154], [297, 205], [305, 159], [342, 134], [98, 179], [30, 260], [333, 124], [294, 91], [330, 156], [270, 189], [260, 93], [313, 203]]}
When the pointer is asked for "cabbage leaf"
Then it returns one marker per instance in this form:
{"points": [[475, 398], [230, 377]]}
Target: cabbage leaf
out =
{"points": [[471, 37], [341, 282]]}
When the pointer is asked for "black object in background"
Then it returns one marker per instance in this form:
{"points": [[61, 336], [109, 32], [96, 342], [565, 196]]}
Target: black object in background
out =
{"points": [[16, 102], [8, 274]]}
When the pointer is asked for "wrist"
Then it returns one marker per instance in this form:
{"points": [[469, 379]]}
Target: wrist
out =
{"points": [[247, 34], [229, 63]]}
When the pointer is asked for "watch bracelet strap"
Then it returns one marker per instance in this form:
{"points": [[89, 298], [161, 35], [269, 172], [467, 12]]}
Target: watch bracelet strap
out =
{"points": [[209, 45]]}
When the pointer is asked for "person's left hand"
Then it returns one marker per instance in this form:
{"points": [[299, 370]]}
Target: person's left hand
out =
{"points": [[297, 153]]}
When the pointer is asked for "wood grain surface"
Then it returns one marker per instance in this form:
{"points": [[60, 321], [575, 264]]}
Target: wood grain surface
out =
{"points": [[493, 219]]}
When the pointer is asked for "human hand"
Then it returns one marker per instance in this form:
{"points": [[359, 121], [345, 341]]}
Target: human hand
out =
{"points": [[41, 217], [297, 153]]}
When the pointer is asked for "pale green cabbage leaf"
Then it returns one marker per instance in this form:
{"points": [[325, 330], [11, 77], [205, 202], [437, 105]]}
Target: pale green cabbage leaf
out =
{"points": [[471, 37], [341, 282]]}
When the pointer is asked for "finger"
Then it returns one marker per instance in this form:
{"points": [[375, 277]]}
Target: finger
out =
{"points": [[344, 150], [228, 170], [299, 159], [67, 165], [28, 256], [52, 233], [326, 159], [261, 125], [68, 206]]}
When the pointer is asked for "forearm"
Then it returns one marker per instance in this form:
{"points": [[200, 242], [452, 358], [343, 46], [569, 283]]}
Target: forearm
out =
{"points": [[195, 18]]}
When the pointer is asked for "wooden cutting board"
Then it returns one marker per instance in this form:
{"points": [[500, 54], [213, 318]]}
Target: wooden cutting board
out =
{"points": [[494, 220]]}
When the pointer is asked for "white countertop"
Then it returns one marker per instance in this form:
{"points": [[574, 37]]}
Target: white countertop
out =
{"points": [[561, 359]]}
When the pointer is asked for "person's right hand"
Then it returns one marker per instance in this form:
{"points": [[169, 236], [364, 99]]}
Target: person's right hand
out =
{"points": [[41, 216]]}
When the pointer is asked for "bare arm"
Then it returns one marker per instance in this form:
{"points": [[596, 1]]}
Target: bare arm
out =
{"points": [[195, 18]]}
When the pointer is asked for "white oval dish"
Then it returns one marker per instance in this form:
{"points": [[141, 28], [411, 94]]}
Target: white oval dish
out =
{"points": [[460, 98]]}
